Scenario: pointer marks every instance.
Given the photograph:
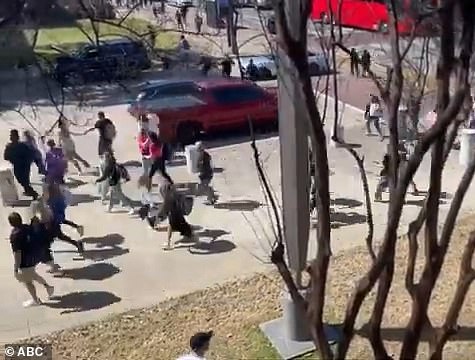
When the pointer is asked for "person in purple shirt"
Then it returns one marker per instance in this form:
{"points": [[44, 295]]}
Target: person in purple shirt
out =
{"points": [[56, 164]]}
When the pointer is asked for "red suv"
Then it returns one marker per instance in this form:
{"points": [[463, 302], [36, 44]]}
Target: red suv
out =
{"points": [[211, 105]]}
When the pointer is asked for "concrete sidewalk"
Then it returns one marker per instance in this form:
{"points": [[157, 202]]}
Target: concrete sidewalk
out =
{"points": [[124, 265]]}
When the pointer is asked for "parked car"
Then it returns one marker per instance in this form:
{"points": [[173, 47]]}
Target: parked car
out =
{"points": [[154, 93], [267, 67], [112, 59], [211, 105]]}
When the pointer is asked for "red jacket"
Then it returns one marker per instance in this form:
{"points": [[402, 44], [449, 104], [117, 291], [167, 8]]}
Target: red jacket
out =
{"points": [[144, 144]]}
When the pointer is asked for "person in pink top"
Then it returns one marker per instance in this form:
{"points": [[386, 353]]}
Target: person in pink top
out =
{"points": [[143, 141]]}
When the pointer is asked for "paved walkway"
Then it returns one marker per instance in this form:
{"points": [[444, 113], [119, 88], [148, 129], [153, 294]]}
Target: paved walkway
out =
{"points": [[124, 265]]}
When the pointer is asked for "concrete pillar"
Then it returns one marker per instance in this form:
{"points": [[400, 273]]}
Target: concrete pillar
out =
{"points": [[467, 146], [294, 154]]}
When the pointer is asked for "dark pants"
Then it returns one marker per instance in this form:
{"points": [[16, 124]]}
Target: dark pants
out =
{"points": [[22, 175], [58, 234], [354, 68], [159, 164]]}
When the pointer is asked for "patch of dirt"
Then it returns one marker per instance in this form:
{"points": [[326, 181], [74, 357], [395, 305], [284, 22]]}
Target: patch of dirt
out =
{"points": [[231, 310]]}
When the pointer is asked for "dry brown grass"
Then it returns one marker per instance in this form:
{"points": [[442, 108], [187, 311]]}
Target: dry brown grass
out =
{"points": [[235, 309]]}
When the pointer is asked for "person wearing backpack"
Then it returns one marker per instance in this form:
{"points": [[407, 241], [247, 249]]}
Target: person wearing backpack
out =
{"points": [[173, 208], [114, 174], [107, 134], [205, 174]]}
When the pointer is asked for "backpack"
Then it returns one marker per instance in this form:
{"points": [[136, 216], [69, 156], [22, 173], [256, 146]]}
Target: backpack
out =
{"points": [[110, 132], [123, 173], [186, 204]]}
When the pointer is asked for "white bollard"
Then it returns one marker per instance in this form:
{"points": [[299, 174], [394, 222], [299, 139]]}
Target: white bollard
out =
{"points": [[467, 146], [191, 156], [8, 190]]}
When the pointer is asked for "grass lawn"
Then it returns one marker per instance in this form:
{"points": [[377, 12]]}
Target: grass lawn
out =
{"points": [[71, 37], [234, 311]]}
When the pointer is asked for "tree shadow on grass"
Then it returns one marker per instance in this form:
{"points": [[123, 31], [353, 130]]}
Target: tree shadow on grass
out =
{"points": [[83, 301]]}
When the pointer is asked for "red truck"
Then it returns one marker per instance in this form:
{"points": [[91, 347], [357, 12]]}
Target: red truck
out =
{"points": [[187, 108]]}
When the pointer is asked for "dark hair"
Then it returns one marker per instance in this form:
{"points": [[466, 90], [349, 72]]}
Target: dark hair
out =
{"points": [[200, 340], [101, 114], [14, 132], [154, 137], [51, 143], [15, 219]]}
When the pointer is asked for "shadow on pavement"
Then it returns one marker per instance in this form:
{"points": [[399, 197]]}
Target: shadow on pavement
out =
{"points": [[77, 199], [132, 163], [97, 272], [213, 247], [74, 183], [110, 240], [238, 205], [349, 203], [83, 301]]}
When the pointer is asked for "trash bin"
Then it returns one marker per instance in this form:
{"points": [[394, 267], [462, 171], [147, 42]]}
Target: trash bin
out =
{"points": [[191, 156], [467, 146], [8, 189]]}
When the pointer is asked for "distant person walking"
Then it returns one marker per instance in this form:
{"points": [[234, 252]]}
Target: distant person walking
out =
{"points": [[226, 66], [56, 164], [30, 140], [172, 208], [107, 134], [205, 169], [20, 155], [179, 20], [199, 345], [26, 259], [198, 23], [366, 63], [374, 114], [158, 160], [58, 204], [354, 62], [184, 15], [66, 142], [114, 174]]}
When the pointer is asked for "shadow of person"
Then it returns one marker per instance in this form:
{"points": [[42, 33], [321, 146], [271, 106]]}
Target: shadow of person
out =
{"points": [[218, 170], [77, 199], [83, 301], [349, 203], [132, 163], [238, 205], [212, 247], [110, 240], [74, 183], [212, 234], [97, 272], [105, 253]]}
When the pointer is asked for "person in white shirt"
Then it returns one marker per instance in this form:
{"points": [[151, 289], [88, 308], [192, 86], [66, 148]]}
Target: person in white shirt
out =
{"points": [[199, 344], [375, 114]]}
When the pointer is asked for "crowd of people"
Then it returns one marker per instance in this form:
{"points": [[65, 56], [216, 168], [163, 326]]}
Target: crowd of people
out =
{"points": [[31, 239]]}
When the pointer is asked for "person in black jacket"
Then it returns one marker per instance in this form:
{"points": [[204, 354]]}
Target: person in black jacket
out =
{"points": [[205, 174], [21, 156], [114, 174]]}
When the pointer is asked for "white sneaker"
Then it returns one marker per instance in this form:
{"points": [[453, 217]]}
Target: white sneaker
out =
{"points": [[131, 211], [31, 303], [50, 291]]}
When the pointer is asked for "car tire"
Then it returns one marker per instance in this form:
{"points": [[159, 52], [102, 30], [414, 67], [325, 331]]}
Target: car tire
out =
{"points": [[188, 133]]}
